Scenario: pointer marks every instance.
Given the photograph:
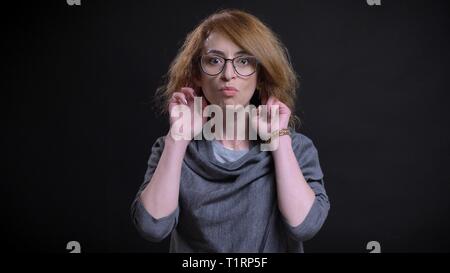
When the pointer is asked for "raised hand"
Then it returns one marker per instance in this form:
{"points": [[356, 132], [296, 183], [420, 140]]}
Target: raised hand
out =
{"points": [[269, 117], [186, 119]]}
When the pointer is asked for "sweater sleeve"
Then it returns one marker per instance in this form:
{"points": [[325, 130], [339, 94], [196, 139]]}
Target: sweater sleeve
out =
{"points": [[152, 229], [308, 159]]}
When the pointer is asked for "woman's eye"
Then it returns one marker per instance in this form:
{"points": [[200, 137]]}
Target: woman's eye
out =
{"points": [[214, 60], [243, 61]]}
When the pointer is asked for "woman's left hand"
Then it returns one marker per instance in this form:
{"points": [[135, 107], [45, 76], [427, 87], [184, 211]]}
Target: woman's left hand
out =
{"points": [[264, 126]]}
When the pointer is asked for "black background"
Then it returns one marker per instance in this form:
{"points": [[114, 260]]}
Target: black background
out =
{"points": [[79, 125]]}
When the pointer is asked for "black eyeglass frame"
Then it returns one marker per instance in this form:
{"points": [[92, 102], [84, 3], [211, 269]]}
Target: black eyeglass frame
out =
{"points": [[225, 63]]}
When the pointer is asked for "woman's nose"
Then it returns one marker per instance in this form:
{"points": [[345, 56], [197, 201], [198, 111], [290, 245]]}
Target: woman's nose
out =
{"points": [[228, 71]]}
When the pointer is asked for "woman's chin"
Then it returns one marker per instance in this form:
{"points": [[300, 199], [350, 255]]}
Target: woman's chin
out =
{"points": [[231, 101]]}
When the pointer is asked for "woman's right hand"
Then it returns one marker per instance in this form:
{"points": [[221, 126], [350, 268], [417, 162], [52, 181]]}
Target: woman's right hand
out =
{"points": [[181, 103]]}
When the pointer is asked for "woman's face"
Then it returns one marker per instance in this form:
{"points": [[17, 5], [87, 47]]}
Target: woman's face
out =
{"points": [[213, 86]]}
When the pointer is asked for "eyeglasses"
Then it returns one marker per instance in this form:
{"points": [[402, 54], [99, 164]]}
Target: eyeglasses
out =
{"points": [[243, 65]]}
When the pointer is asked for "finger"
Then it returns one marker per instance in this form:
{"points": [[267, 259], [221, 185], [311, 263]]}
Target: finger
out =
{"points": [[188, 92], [262, 111], [179, 97], [273, 101], [270, 101], [284, 109]]}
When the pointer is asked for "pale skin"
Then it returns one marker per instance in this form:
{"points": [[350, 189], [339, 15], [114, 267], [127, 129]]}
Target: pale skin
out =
{"points": [[295, 196]]}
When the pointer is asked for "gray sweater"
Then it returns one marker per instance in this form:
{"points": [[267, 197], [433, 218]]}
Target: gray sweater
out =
{"points": [[232, 207]]}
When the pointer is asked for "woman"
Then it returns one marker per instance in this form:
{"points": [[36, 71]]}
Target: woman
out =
{"points": [[227, 194]]}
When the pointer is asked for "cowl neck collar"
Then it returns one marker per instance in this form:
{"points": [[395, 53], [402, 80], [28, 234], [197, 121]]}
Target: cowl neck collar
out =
{"points": [[201, 159]]}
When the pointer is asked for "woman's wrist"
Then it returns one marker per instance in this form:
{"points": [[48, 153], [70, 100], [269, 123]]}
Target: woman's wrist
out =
{"points": [[176, 143], [284, 144], [276, 134]]}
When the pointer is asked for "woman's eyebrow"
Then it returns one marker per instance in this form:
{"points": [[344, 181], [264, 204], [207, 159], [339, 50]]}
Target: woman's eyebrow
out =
{"points": [[223, 53]]}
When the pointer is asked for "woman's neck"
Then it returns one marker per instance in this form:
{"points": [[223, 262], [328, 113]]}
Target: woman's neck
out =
{"points": [[234, 142]]}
